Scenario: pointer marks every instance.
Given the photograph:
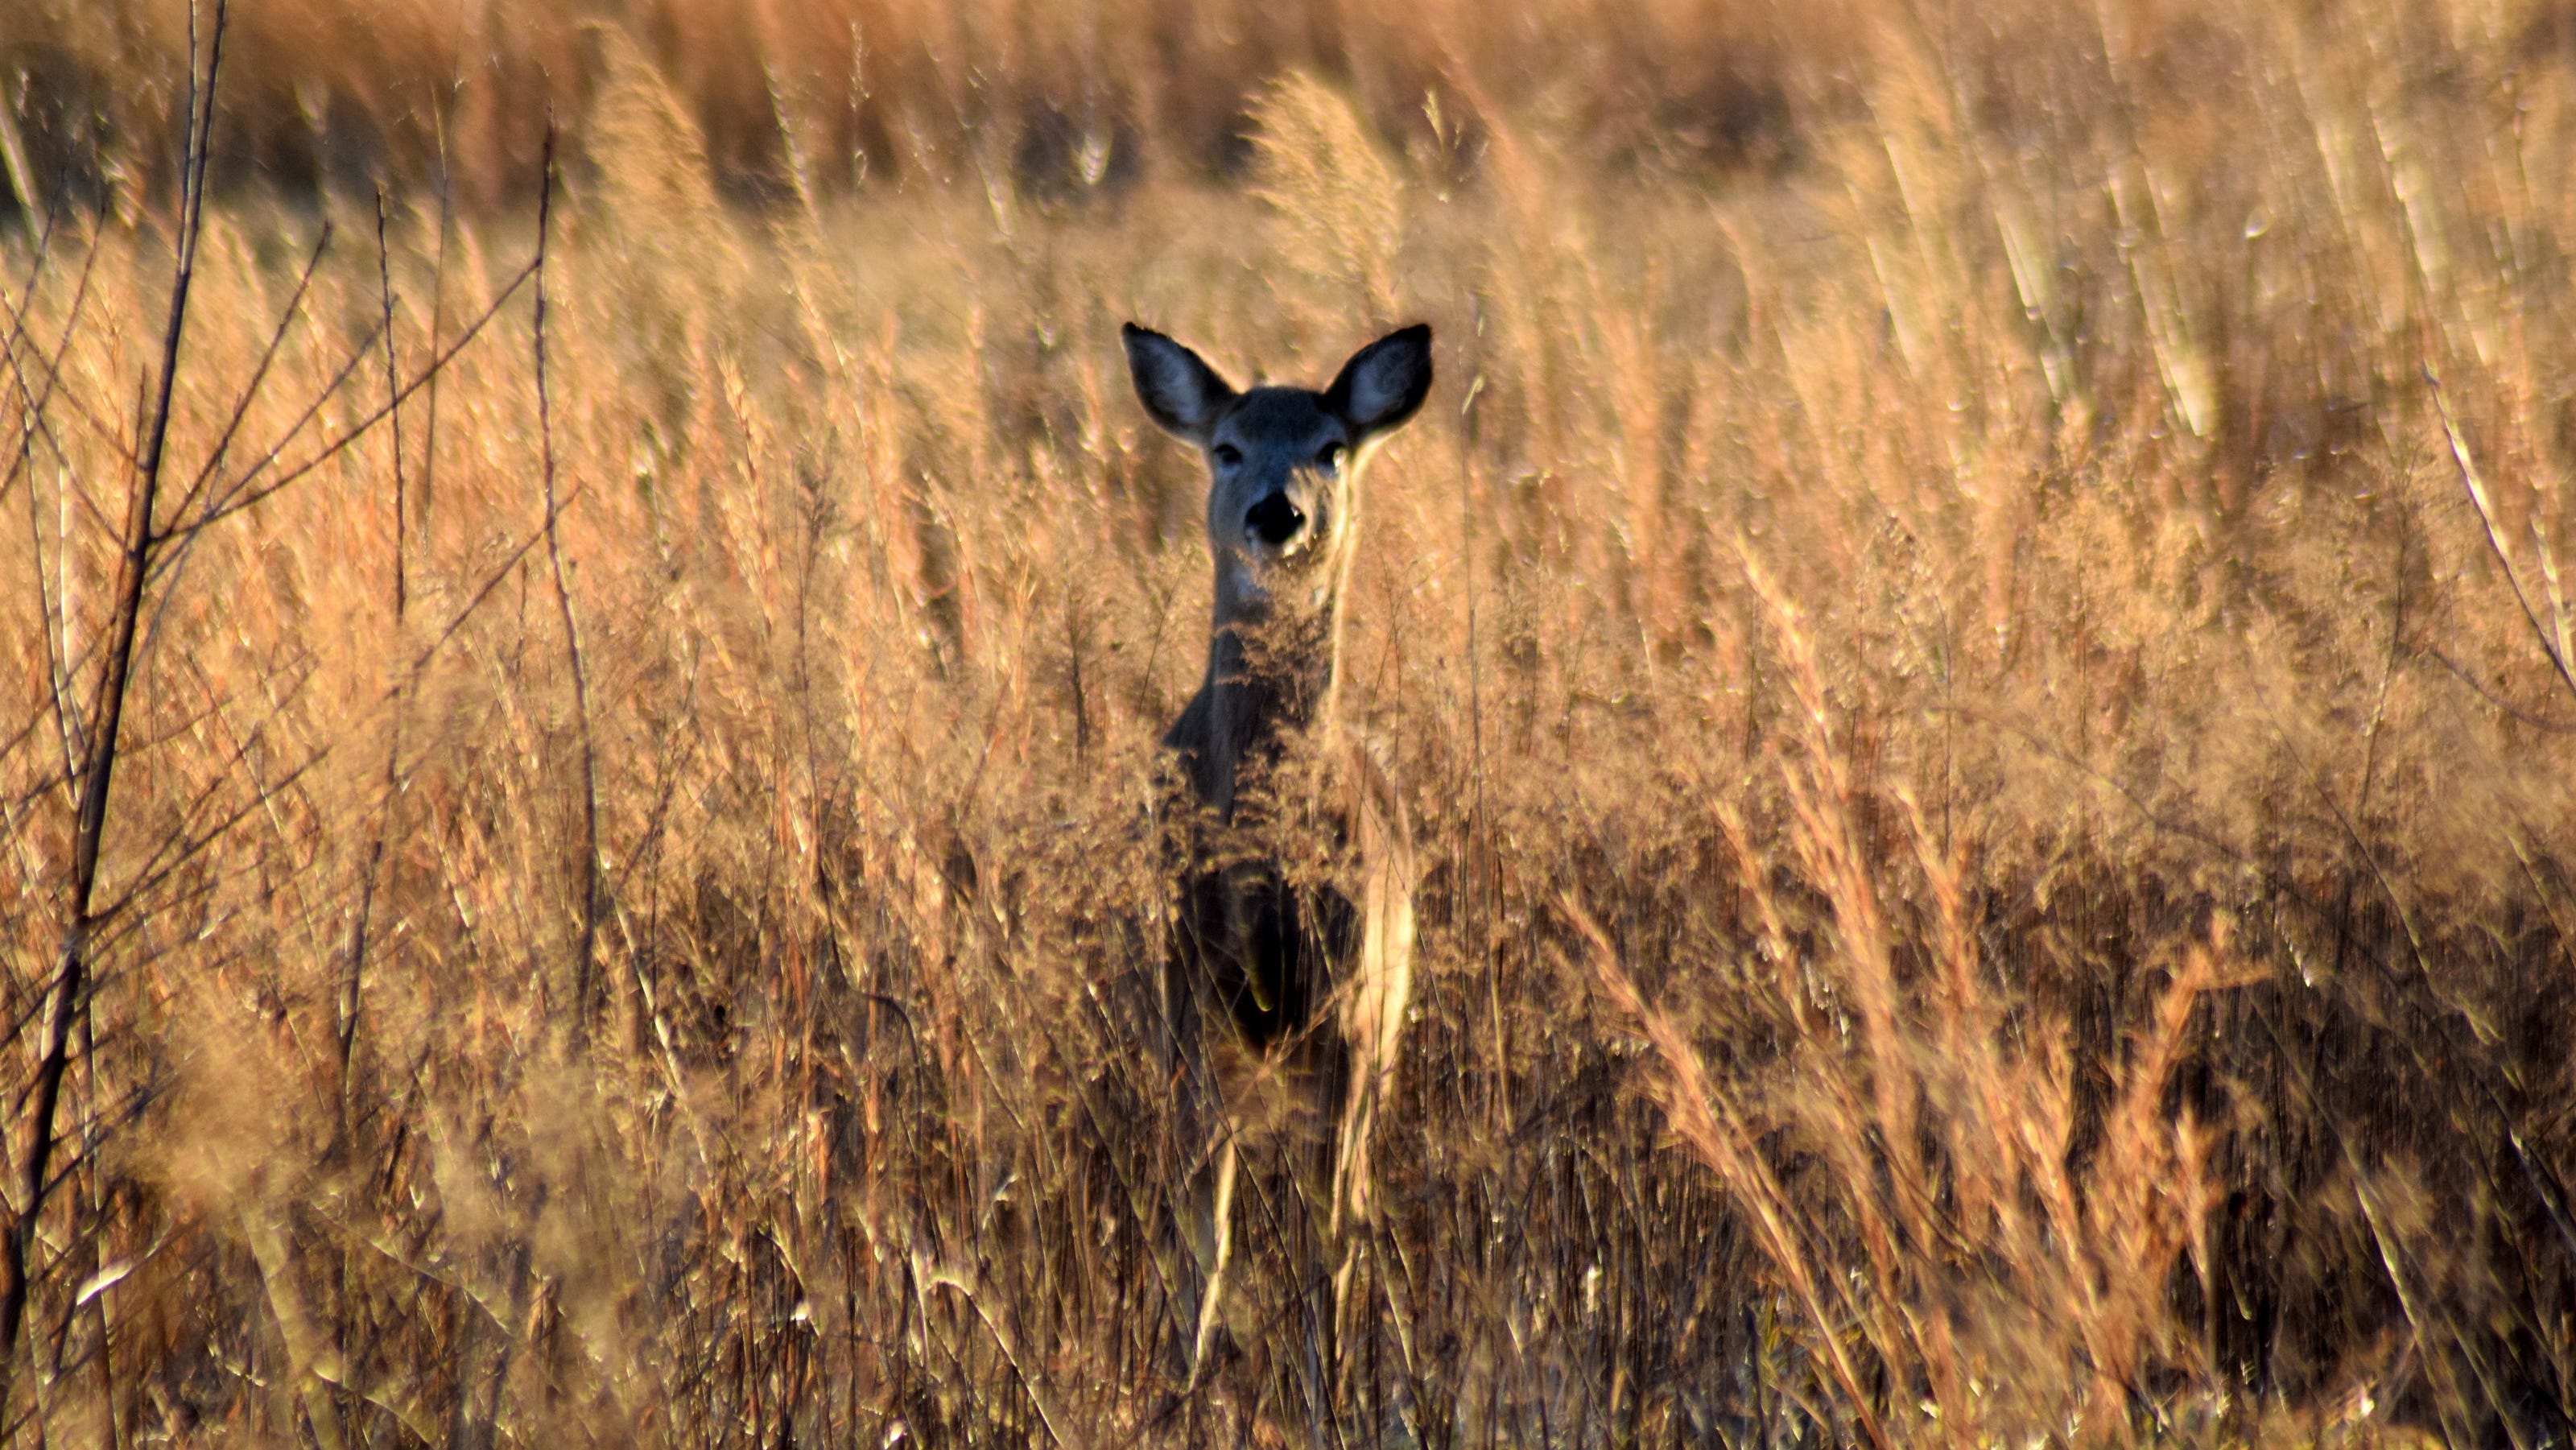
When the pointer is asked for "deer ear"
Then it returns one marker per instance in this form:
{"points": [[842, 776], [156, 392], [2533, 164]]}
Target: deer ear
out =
{"points": [[1182, 392], [1384, 382]]}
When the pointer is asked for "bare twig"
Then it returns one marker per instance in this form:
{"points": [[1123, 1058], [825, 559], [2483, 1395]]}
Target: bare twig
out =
{"points": [[354, 979], [584, 969], [393, 399], [427, 486], [71, 971], [68, 727], [242, 495], [2500, 704], [2553, 635], [19, 311], [258, 374]]}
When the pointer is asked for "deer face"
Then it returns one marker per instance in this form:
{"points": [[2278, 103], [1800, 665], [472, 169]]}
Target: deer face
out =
{"points": [[1283, 463]]}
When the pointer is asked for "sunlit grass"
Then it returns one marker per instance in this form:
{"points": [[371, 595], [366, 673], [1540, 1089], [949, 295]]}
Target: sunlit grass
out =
{"points": [[1976, 645]]}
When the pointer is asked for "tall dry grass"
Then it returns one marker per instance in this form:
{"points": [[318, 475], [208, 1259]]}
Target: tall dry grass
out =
{"points": [[1987, 704], [841, 95]]}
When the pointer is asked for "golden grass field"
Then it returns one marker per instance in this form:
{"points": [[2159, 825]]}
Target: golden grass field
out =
{"points": [[1976, 633]]}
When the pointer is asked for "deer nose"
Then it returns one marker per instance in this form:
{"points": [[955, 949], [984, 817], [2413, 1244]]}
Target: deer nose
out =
{"points": [[1274, 520]]}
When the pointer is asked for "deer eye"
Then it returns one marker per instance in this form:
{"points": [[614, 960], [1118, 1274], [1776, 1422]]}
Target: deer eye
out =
{"points": [[1227, 455], [1330, 458]]}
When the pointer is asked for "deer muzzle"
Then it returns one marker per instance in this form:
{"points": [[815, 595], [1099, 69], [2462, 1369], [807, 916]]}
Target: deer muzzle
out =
{"points": [[1275, 521]]}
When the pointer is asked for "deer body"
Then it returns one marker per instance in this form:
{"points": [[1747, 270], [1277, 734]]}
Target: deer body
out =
{"points": [[1296, 893]]}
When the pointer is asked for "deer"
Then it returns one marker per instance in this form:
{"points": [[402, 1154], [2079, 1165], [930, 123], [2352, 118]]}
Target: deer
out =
{"points": [[1302, 970]]}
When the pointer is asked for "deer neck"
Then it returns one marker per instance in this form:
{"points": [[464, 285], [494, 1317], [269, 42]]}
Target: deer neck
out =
{"points": [[1273, 675]]}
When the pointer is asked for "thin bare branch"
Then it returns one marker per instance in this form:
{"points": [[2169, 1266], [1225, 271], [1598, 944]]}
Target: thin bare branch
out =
{"points": [[71, 970]]}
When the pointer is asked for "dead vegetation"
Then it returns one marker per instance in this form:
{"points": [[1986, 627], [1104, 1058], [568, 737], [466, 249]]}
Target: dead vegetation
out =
{"points": [[1976, 636]]}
